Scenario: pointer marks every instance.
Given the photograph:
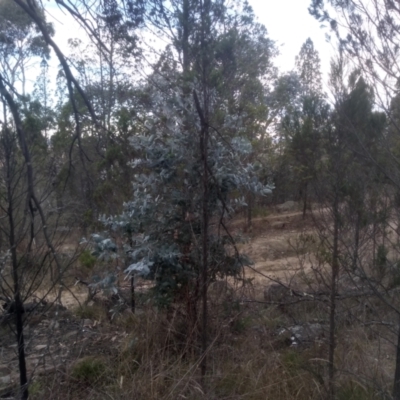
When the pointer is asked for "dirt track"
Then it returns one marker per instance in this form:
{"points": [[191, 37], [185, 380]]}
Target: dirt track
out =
{"points": [[274, 246]]}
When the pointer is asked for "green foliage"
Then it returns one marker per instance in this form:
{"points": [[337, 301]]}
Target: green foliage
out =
{"points": [[89, 371], [95, 312], [162, 222], [19, 37], [304, 118], [35, 388], [240, 325], [292, 361], [87, 259], [381, 258], [11, 14], [87, 217], [164, 218], [355, 391], [308, 66], [261, 212], [324, 254], [232, 384]]}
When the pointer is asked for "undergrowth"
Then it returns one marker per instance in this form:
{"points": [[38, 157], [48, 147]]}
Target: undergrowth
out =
{"points": [[247, 359]]}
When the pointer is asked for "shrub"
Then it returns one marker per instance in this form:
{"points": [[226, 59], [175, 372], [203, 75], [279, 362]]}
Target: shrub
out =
{"points": [[87, 260], [89, 371]]}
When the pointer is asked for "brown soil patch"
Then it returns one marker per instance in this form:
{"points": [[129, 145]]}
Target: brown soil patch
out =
{"points": [[273, 246]]}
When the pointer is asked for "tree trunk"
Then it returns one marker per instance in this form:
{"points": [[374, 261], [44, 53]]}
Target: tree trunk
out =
{"points": [[23, 377], [250, 205], [133, 299], [185, 36], [305, 198], [356, 241], [133, 303], [203, 113], [332, 315]]}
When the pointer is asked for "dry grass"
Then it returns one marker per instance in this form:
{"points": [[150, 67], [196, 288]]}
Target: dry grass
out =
{"points": [[247, 359]]}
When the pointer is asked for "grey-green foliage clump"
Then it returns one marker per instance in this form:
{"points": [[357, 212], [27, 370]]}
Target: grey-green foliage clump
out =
{"points": [[103, 249], [201, 83], [163, 221]]}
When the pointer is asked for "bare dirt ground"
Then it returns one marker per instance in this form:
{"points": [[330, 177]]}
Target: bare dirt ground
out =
{"points": [[274, 246], [54, 339]]}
